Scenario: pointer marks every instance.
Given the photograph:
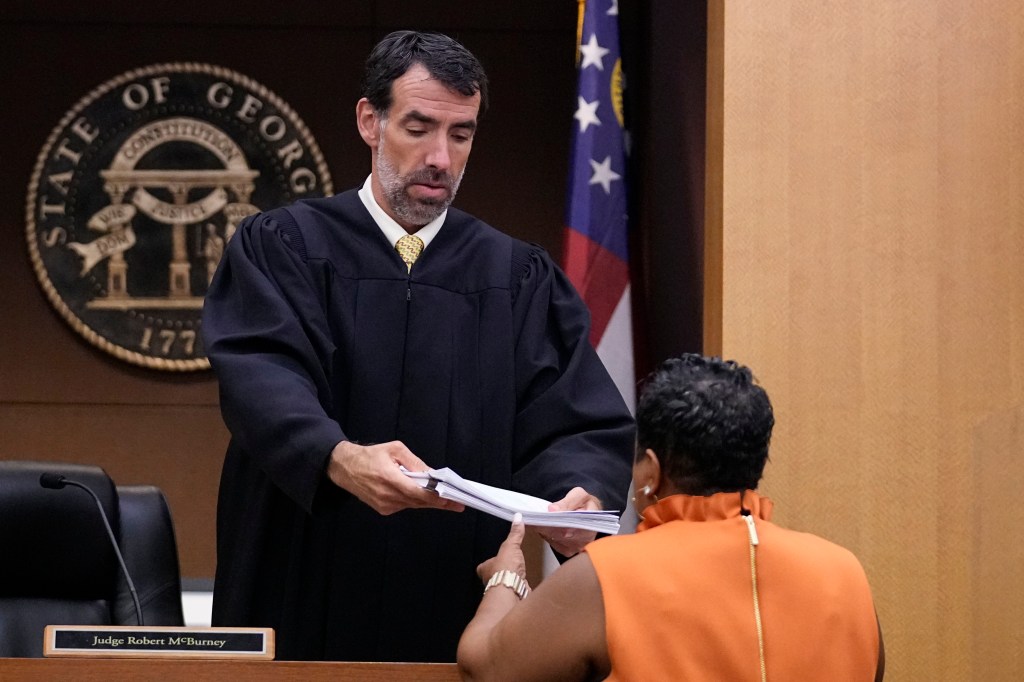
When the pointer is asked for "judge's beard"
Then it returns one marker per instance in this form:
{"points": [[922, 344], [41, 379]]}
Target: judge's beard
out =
{"points": [[396, 189]]}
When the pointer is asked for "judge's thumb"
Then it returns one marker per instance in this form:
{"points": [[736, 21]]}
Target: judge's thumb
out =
{"points": [[403, 455]]}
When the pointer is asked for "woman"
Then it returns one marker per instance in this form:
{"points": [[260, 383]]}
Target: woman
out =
{"points": [[708, 588]]}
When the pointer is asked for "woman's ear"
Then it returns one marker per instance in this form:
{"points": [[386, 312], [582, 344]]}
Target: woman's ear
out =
{"points": [[647, 471]]}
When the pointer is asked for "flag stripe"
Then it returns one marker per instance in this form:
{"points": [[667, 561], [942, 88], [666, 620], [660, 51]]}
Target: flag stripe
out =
{"points": [[616, 349], [599, 275]]}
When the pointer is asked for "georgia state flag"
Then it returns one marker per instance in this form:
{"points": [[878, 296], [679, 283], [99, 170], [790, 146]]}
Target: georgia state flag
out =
{"points": [[596, 235]]}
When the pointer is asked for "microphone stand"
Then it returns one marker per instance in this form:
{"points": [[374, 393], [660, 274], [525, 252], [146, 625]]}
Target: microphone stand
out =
{"points": [[57, 481]]}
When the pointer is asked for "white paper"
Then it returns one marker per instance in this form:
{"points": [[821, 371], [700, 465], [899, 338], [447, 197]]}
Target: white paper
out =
{"points": [[506, 503]]}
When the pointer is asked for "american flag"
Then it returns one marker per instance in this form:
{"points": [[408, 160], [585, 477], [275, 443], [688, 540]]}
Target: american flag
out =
{"points": [[596, 242]]}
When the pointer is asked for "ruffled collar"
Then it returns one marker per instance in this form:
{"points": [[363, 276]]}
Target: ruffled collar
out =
{"points": [[717, 507]]}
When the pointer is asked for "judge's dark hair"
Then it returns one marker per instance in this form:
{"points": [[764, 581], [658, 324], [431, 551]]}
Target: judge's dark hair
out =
{"points": [[445, 59], [708, 422]]}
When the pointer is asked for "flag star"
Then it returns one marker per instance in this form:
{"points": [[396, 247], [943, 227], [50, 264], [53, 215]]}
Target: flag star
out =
{"points": [[586, 113], [613, 11], [593, 54], [603, 174]]}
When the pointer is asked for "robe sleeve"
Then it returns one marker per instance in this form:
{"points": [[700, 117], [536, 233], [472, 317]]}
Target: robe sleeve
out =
{"points": [[572, 427], [269, 343]]}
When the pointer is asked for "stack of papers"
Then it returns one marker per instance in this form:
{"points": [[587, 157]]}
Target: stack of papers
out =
{"points": [[505, 503]]}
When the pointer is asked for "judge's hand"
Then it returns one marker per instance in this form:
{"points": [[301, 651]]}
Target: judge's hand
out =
{"points": [[569, 541], [509, 556], [371, 473]]}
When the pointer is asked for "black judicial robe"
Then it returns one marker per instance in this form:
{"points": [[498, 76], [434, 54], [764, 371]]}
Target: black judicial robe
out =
{"points": [[477, 360]]}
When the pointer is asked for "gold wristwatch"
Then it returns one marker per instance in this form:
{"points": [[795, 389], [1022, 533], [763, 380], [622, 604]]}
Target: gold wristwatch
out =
{"points": [[511, 580]]}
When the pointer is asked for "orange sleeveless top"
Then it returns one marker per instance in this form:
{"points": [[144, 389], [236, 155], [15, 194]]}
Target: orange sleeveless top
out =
{"points": [[679, 598]]}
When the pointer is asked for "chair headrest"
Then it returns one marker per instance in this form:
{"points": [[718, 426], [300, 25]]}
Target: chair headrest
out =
{"points": [[54, 541]]}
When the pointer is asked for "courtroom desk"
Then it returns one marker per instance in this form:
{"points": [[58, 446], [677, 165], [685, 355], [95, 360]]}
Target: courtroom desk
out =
{"points": [[92, 669]]}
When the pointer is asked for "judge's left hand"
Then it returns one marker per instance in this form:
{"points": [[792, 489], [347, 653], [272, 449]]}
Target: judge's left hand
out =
{"points": [[569, 541]]}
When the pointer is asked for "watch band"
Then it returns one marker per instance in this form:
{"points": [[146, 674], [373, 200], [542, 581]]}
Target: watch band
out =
{"points": [[511, 580]]}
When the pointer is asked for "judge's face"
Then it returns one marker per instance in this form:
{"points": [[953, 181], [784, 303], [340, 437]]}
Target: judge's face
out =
{"points": [[420, 148]]}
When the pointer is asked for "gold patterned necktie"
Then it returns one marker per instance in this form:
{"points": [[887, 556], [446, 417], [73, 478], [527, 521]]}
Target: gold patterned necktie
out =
{"points": [[409, 248]]}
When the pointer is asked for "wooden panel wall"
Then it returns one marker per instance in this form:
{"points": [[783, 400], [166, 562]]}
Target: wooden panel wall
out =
{"points": [[870, 225], [63, 400]]}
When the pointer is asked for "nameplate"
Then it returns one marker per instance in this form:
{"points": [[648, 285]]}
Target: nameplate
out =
{"points": [[113, 641]]}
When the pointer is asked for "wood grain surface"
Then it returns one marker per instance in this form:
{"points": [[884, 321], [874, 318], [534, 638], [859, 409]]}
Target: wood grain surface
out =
{"points": [[872, 252]]}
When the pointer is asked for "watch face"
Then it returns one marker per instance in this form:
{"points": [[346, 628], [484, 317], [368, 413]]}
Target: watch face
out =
{"points": [[138, 190]]}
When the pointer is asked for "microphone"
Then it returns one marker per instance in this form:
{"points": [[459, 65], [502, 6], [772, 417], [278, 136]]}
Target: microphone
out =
{"points": [[57, 482]]}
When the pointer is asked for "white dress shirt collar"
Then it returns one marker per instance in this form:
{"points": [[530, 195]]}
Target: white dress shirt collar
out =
{"points": [[391, 229]]}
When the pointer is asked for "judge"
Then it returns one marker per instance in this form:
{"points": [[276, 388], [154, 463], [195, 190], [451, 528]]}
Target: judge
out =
{"points": [[378, 328]]}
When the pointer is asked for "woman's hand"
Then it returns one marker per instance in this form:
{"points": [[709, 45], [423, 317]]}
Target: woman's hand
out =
{"points": [[510, 554]]}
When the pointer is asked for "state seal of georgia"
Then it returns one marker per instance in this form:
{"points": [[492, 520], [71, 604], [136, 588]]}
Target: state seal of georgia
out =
{"points": [[139, 188]]}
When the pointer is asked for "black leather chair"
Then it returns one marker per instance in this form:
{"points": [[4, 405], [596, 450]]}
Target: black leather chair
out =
{"points": [[58, 566]]}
